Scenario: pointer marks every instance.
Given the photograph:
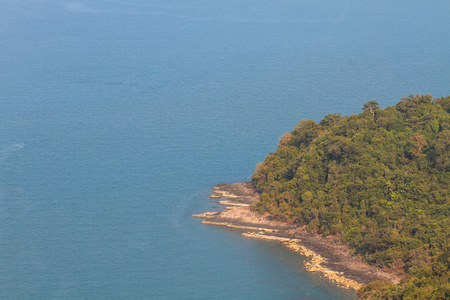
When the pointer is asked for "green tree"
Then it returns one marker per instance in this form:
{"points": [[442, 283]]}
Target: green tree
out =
{"points": [[379, 181], [371, 106]]}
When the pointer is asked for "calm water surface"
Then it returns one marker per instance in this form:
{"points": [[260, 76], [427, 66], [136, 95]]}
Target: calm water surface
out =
{"points": [[117, 117]]}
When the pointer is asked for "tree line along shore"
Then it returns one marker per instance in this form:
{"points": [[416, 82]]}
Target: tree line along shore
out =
{"points": [[327, 256], [375, 185]]}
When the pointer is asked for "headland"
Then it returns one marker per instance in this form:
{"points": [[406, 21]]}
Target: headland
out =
{"points": [[327, 256]]}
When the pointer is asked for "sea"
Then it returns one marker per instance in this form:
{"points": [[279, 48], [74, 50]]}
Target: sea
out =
{"points": [[117, 117]]}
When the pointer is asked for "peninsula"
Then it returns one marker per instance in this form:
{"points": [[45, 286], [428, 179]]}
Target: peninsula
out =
{"points": [[327, 255], [365, 197]]}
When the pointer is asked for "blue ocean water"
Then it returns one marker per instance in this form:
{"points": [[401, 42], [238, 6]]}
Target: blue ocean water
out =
{"points": [[117, 118]]}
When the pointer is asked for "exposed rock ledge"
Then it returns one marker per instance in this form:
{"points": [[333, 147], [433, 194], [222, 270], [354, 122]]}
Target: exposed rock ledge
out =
{"points": [[326, 255]]}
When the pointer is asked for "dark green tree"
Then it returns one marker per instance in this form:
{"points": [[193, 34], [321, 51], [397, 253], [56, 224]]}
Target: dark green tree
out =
{"points": [[380, 181]]}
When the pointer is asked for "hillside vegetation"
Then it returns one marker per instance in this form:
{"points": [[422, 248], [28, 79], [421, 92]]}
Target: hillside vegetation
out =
{"points": [[379, 181]]}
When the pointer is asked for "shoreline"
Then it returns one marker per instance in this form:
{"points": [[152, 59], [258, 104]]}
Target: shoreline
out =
{"points": [[326, 256]]}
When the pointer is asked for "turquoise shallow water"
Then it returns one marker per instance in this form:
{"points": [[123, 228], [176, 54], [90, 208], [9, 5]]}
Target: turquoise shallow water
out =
{"points": [[117, 117]]}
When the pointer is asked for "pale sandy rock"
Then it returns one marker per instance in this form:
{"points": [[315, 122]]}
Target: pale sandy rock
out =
{"points": [[326, 256]]}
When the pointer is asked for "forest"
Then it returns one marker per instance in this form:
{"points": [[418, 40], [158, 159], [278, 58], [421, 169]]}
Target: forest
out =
{"points": [[378, 181]]}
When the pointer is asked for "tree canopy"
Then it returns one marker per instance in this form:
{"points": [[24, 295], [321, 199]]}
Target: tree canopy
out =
{"points": [[379, 181]]}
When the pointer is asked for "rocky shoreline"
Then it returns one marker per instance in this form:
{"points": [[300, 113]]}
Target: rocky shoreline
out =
{"points": [[326, 255]]}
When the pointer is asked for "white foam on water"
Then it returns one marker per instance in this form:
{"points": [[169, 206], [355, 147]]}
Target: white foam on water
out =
{"points": [[8, 151]]}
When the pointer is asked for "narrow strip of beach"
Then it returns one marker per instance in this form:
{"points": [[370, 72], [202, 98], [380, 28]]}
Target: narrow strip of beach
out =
{"points": [[326, 256]]}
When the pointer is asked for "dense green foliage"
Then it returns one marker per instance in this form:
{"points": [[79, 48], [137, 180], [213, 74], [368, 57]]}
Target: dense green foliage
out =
{"points": [[379, 181]]}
